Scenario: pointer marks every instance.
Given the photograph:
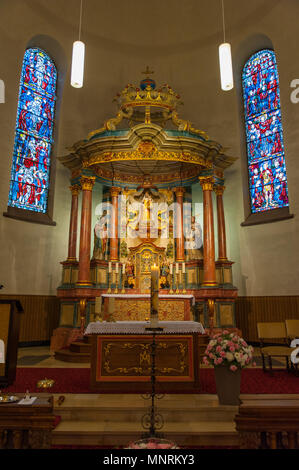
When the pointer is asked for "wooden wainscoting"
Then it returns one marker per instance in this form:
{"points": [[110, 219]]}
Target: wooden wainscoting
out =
{"points": [[251, 310], [41, 317]]}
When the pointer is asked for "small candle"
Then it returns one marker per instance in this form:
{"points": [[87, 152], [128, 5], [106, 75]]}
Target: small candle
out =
{"points": [[170, 268], [116, 268], [124, 268], [110, 267], [154, 294], [183, 268], [177, 268]]}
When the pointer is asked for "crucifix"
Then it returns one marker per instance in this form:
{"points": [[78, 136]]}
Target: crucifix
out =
{"points": [[148, 71]]}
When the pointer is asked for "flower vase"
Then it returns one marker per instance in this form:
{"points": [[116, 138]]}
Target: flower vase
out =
{"points": [[228, 385]]}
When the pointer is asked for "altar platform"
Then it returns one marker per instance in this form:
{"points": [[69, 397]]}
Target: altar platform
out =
{"points": [[115, 420]]}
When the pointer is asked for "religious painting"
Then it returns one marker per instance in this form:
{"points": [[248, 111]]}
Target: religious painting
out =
{"points": [[265, 148], [34, 133]]}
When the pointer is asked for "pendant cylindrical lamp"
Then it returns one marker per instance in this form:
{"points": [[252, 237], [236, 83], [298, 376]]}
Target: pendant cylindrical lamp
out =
{"points": [[78, 64], [226, 67]]}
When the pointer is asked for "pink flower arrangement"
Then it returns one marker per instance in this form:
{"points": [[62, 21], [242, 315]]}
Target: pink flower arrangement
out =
{"points": [[152, 443], [228, 349]]}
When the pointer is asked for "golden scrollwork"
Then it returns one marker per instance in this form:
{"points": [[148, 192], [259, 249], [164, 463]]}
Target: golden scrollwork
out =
{"points": [[159, 178], [114, 191], [87, 182], [184, 125], [186, 156], [219, 190], [138, 310], [179, 191], [75, 189], [144, 358], [207, 182]]}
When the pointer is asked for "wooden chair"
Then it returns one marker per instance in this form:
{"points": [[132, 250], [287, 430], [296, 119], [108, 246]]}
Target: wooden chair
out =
{"points": [[274, 331], [292, 327]]}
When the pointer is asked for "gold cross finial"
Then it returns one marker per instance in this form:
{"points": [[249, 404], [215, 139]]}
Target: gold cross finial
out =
{"points": [[148, 71]]}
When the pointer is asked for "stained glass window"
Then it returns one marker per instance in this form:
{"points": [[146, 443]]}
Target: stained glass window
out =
{"points": [[265, 150], [30, 173]]}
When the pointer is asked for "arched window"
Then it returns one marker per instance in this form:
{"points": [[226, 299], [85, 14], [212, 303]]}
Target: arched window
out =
{"points": [[268, 187], [30, 174]]}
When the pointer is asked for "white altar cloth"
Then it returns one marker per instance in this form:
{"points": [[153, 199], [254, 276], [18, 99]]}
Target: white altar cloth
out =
{"points": [[138, 327], [147, 296]]}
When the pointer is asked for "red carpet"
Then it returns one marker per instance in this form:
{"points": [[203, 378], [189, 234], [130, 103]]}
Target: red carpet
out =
{"points": [[77, 381]]}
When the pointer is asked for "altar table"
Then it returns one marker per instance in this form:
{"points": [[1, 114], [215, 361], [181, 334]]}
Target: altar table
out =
{"points": [[121, 357], [136, 307]]}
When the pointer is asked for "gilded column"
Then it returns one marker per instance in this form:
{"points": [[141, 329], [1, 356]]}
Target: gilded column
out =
{"points": [[209, 279], [180, 251], [75, 189], [114, 191], [219, 190], [87, 183]]}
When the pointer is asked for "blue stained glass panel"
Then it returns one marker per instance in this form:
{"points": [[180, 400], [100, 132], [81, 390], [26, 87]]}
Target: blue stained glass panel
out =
{"points": [[264, 134], [34, 133]]}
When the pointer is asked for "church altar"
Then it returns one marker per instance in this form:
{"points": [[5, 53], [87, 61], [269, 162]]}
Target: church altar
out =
{"points": [[137, 306], [145, 161], [121, 356], [138, 327]]}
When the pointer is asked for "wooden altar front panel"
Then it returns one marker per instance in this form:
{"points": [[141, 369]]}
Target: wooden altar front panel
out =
{"points": [[122, 363]]}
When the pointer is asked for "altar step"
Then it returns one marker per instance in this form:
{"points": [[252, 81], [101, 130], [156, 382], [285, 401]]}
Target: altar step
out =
{"points": [[115, 420], [203, 433], [78, 351]]}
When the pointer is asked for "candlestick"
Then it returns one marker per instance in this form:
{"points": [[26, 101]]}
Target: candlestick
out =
{"points": [[116, 282], [98, 309], [109, 283], [177, 284], [154, 296], [123, 279], [184, 283]]}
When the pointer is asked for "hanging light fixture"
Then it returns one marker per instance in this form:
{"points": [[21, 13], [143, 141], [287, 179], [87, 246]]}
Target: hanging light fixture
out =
{"points": [[225, 61], [77, 72]]}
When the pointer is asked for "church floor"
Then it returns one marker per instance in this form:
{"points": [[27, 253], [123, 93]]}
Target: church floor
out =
{"points": [[40, 356], [114, 420]]}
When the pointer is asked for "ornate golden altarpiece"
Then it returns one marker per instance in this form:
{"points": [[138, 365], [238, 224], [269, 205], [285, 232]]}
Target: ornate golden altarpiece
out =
{"points": [[146, 154]]}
